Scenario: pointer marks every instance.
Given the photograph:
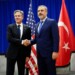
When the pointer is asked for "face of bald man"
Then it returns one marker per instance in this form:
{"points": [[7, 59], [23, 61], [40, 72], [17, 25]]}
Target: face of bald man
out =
{"points": [[42, 12]]}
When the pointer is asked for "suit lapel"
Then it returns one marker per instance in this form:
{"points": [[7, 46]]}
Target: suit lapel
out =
{"points": [[37, 29], [24, 30], [15, 29]]}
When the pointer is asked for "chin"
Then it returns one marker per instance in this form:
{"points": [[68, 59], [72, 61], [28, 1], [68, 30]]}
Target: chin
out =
{"points": [[40, 17], [18, 22]]}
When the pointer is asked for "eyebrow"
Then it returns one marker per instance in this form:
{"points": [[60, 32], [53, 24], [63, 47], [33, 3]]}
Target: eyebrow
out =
{"points": [[41, 10]]}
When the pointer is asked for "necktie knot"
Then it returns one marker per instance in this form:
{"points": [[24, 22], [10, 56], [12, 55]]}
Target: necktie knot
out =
{"points": [[18, 26], [41, 22]]}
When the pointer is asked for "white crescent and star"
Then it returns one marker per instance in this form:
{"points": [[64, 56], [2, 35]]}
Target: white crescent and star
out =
{"points": [[66, 47], [63, 25]]}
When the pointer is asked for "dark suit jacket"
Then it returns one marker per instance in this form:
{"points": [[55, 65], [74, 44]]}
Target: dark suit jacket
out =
{"points": [[48, 39], [15, 47]]}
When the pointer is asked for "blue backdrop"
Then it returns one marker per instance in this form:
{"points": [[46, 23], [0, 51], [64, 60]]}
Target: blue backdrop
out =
{"points": [[7, 8]]}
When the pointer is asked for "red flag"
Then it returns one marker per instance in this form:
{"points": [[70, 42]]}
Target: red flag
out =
{"points": [[66, 37]]}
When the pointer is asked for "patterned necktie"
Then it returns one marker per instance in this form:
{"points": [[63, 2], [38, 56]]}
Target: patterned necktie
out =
{"points": [[18, 30], [40, 26]]}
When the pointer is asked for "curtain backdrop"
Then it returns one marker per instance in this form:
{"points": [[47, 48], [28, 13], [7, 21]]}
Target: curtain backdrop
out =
{"points": [[7, 8]]}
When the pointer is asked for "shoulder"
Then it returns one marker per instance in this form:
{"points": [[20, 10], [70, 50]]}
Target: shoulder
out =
{"points": [[11, 25], [26, 26], [50, 20]]}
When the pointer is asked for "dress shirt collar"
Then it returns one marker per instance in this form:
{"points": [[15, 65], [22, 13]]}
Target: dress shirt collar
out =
{"points": [[21, 24], [43, 19]]}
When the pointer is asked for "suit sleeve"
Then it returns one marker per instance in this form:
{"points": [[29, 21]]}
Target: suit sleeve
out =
{"points": [[10, 37], [33, 41], [55, 36], [29, 38]]}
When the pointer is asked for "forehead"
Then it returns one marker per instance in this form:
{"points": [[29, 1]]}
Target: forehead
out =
{"points": [[41, 8], [17, 13]]}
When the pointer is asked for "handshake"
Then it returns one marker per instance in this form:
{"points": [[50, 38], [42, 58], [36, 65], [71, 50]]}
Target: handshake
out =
{"points": [[26, 42]]}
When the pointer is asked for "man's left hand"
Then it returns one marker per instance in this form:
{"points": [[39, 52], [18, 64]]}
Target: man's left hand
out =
{"points": [[54, 55]]}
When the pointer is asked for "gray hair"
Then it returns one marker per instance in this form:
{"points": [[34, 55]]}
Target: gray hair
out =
{"points": [[19, 11], [43, 6]]}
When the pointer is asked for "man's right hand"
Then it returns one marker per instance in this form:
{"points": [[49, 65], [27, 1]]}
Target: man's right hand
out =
{"points": [[26, 42]]}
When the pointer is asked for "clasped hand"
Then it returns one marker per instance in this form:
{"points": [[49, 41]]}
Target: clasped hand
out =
{"points": [[26, 42]]}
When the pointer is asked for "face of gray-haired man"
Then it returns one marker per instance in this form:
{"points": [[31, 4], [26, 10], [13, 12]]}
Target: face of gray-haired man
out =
{"points": [[42, 12], [18, 17]]}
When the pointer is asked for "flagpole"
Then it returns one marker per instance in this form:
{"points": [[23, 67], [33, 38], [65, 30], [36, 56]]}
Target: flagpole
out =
{"points": [[63, 0], [31, 2]]}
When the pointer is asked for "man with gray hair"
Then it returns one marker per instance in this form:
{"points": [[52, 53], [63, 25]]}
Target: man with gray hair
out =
{"points": [[17, 51], [47, 40]]}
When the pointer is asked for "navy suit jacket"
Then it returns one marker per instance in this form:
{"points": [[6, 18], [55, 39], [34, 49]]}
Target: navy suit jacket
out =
{"points": [[48, 39]]}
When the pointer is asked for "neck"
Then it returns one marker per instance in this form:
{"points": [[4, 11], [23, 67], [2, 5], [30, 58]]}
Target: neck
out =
{"points": [[18, 23], [43, 19]]}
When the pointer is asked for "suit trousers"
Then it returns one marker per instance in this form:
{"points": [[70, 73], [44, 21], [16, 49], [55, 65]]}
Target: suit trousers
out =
{"points": [[46, 65], [11, 65]]}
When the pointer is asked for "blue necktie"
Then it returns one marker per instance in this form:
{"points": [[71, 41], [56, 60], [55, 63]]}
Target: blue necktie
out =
{"points": [[18, 30], [40, 26]]}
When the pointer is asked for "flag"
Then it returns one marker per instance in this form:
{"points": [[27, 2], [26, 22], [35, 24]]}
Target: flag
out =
{"points": [[66, 43], [32, 63]]}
